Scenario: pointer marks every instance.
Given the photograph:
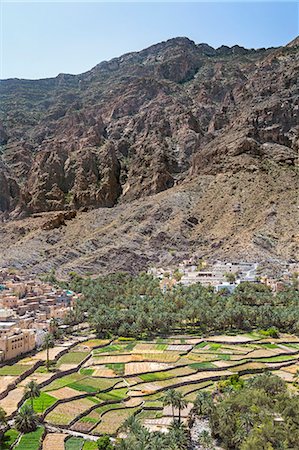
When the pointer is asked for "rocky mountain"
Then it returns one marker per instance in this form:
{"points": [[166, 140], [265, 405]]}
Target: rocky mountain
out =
{"points": [[176, 149]]}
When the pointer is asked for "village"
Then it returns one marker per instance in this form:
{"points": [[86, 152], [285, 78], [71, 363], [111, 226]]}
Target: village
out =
{"points": [[29, 306], [28, 309], [88, 385], [222, 276]]}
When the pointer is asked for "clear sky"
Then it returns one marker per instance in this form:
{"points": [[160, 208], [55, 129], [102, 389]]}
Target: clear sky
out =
{"points": [[41, 39]]}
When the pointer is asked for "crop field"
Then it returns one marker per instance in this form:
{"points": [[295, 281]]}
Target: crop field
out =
{"points": [[72, 358], [122, 378], [14, 370], [64, 413], [9, 439], [112, 420], [54, 441], [30, 441], [43, 402]]}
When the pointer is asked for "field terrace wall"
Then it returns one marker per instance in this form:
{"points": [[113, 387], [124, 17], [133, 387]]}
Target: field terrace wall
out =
{"points": [[55, 376], [32, 369]]}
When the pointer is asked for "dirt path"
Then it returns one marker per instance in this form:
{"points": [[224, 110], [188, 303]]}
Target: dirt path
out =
{"points": [[56, 430]]}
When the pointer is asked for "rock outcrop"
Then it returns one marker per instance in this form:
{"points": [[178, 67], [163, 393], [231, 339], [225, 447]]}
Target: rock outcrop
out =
{"points": [[126, 129], [217, 128]]}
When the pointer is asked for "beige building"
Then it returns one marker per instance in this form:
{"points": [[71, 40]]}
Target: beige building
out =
{"points": [[15, 342]]}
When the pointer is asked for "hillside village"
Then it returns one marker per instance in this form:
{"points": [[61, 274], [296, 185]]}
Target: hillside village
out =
{"points": [[90, 384], [223, 276], [28, 309], [29, 306]]}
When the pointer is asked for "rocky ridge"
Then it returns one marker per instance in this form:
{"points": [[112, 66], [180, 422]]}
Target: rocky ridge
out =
{"points": [[195, 149]]}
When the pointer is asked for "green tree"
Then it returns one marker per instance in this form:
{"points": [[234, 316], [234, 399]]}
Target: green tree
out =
{"points": [[104, 443], [26, 420], [203, 404], [206, 441], [48, 342], [177, 275], [54, 328], [32, 391], [178, 436], [180, 403], [3, 422], [170, 399], [230, 277]]}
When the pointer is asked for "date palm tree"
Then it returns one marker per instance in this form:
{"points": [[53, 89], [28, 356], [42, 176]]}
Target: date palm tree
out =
{"points": [[48, 343], [2, 416], [170, 399], [205, 440], [180, 403], [26, 420], [203, 404], [176, 401], [2, 422], [32, 391], [178, 436]]}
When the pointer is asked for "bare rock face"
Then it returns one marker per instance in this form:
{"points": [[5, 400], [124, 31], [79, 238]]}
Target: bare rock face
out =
{"points": [[172, 120], [58, 220], [126, 129], [3, 135], [4, 193]]}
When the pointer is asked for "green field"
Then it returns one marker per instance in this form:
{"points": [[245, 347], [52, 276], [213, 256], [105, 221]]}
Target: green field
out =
{"points": [[74, 443], [30, 441], [72, 358], [144, 371], [9, 439], [90, 445], [14, 370], [43, 402]]}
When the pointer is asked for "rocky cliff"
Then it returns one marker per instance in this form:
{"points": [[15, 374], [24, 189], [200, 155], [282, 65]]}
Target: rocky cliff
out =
{"points": [[200, 144]]}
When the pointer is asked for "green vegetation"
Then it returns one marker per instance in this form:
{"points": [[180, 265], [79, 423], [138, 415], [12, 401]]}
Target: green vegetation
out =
{"points": [[121, 347], [43, 402], [270, 332], [155, 376], [90, 445], [86, 371], [269, 345], [32, 392], [14, 370], [9, 439], [48, 342], [64, 381], [256, 414], [201, 344], [26, 420], [279, 358], [104, 443], [72, 358], [118, 368], [176, 439], [83, 387], [74, 443], [31, 441], [116, 394], [176, 400], [90, 384], [202, 365], [128, 306]]}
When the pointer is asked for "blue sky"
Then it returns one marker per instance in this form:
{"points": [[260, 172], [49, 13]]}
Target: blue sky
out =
{"points": [[41, 39]]}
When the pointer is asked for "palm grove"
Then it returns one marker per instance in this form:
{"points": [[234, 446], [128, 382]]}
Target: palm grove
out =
{"points": [[124, 305]]}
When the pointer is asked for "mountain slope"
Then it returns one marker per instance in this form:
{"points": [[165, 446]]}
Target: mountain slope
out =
{"points": [[195, 149]]}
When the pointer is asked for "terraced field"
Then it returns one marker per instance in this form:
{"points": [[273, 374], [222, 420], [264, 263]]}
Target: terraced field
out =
{"points": [[97, 384]]}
